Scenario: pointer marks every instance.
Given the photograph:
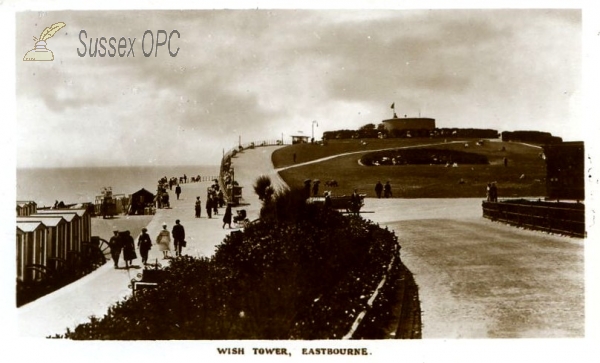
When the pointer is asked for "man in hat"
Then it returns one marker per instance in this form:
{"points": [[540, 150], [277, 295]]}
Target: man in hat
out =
{"points": [[144, 245], [116, 245], [178, 233]]}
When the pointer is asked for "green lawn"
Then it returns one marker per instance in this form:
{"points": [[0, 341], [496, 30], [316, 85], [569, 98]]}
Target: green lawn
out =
{"points": [[420, 181]]}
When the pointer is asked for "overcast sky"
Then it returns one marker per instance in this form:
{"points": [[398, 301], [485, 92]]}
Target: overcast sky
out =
{"points": [[261, 74]]}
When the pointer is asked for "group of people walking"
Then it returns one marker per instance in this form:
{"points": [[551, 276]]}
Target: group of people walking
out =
{"points": [[123, 243]]}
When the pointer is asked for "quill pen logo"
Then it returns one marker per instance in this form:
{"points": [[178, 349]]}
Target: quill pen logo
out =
{"points": [[40, 52]]}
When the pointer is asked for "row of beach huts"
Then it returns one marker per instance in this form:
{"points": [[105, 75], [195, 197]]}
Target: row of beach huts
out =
{"points": [[48, 239]]}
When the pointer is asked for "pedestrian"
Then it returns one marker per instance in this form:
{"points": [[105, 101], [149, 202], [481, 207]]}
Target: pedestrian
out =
{"points": [[115, 245], [165, 200], [208, 206], [328, 202], [355, 202], [144, 245], [221, 198], [198, 207], [163, 240], [494, 192], [178, 233], [505, 162], [378, 189], [227, 216], [387, 190], [215, 204], [128, 249], [294, 157], [177, 191]]}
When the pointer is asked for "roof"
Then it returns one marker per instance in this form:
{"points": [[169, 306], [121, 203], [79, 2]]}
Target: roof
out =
{"points": [[67, 216], [143, 191], [48, 221], [79, 212], [29, 226], [22, 203]]}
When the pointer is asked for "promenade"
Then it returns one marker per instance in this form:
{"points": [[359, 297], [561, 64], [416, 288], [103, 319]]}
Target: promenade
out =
{"points": [[476, 278], [94, 293]]}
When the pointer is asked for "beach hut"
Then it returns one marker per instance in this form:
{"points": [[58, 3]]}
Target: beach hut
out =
{"points": [[72, 241], [141, 200], [80, 228], [55, 238], [31, 242], [26, 207]]}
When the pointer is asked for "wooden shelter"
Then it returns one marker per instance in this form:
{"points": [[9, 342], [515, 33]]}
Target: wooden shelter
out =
{"points": [[140, 200]]}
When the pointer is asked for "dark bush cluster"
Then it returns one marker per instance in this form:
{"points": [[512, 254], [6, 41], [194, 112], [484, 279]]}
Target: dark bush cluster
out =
{"points": [[420, 156], [537, 137], [380, 131], [300, 272]]}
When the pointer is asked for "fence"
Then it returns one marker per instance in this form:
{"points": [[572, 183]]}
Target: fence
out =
{"points": [[563, 218], [226, 168]]}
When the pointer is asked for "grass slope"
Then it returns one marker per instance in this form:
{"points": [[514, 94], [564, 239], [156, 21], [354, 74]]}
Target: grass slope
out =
{"points": [[418, 181]]}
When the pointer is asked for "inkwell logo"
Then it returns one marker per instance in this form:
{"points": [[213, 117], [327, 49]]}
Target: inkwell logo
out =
{"points": [[40, 52]]}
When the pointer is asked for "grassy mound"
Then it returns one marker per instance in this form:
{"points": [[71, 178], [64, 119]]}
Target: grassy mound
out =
{"points": [[523, 177]]}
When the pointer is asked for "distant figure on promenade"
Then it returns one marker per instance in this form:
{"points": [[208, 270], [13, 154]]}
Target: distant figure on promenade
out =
{"points": [[177, 191], [165, 200], [307, 188], [128, 249], [227, 216], [208, 205], [355, 202], [505, 160], [378, 189], [328, 202], [144, 245], [315, 188], [494, 192], [294, 157], [184, 178], [387, 190], [163, 240], [115, 247], [178, 233], [215, 204], [221, 198], [198, 207]]}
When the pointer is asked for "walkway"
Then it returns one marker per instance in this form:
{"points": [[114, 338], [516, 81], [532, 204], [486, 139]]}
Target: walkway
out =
{"points": [[93, 294], [477, 279]]}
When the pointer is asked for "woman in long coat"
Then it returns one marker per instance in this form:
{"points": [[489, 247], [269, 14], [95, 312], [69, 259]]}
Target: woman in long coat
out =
{"points": [[128, 249], [163, 240]]}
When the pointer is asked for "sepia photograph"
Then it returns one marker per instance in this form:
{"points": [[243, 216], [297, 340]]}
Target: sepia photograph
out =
{"points": [[318, 181]]}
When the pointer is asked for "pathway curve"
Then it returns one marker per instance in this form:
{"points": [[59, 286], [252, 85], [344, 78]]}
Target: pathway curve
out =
{"points": [[477, 279]]}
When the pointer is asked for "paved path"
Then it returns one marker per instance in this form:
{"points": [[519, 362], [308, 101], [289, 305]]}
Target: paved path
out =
{"points": [[93, 294], [476, 278]]}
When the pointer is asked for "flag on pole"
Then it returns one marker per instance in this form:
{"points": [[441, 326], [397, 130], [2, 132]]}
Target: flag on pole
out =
{"points": [[393, 105]]}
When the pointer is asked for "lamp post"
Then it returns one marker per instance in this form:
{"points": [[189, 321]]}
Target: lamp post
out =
{"points": [[313, 130]]}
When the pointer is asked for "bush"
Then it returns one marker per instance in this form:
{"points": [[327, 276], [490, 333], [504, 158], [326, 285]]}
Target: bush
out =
{"points": [[302, 273]]}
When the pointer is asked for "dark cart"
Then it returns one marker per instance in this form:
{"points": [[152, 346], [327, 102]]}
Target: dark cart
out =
{"points": [[342, 203]]}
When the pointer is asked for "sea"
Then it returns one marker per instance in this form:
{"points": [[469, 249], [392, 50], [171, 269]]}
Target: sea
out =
{"points": [[82, 184]]}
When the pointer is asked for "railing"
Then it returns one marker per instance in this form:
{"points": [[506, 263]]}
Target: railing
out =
{"points": [[545, 216], [226, 160]]}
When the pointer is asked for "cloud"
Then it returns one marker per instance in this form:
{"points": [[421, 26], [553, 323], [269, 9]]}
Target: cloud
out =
{"points": [[261, 73]]}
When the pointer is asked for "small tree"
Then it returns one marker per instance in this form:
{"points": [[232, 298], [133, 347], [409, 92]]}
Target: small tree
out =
{"points": [[263, 188]]}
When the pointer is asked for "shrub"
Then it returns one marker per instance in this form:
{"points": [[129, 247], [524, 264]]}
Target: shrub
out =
{"points": [[302, 273]]}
